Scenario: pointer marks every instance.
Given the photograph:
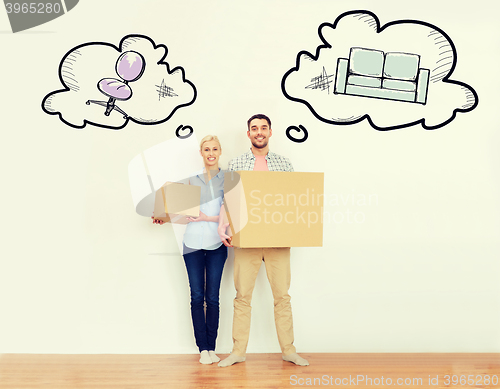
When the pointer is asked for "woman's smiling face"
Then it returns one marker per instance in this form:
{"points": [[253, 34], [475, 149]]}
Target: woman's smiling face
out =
{"points": [[210, 151]]}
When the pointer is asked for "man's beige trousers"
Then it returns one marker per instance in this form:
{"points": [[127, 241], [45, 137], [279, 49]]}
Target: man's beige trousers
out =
{"points": [[246, 267]]}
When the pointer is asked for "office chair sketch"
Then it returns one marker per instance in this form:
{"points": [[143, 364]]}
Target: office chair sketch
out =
{"points": [[129, 67]]}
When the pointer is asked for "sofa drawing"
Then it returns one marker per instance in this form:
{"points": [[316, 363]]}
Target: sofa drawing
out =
{"points": [[391, 75]]}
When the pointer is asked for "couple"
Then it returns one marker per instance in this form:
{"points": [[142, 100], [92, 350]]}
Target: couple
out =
{"points": [[205, 253]]}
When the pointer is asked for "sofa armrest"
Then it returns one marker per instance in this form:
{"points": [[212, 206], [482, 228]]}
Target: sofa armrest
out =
{"points": [[422, 86], [341, 75]]}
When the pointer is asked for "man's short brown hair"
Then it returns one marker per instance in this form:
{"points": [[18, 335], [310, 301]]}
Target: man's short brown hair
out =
{"points": [[259, 116]]}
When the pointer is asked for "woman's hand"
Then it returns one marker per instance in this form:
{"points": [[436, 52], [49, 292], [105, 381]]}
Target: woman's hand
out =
{"points": [[201, 218], [157, 221]]}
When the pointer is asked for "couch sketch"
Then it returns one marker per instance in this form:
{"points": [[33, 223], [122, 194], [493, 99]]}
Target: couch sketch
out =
{"points": [[391, 75]]}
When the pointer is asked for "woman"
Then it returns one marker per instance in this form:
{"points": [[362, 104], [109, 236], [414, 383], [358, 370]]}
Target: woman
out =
{"points": [[204, 254]]}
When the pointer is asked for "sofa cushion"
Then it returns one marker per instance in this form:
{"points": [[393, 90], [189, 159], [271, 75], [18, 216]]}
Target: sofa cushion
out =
{"points": [[399, 85], [401, 66], [365, 62], [373, 82], [390, 94]]}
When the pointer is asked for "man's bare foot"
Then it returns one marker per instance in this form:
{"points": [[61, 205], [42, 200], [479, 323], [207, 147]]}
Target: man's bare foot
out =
{"points": [[231, 360], [296, 358]]}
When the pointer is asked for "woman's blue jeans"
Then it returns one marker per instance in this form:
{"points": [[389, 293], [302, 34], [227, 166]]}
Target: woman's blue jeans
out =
{"points": [[204, 269]]}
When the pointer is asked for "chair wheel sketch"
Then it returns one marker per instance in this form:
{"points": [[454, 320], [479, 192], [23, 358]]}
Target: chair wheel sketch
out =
{"points": [[129, 67]]}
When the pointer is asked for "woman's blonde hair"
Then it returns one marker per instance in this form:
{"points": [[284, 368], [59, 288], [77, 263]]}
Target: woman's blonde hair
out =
{"points": [[209, 138]]}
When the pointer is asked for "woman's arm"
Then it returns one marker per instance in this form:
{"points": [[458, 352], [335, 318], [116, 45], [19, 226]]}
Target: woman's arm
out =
{"points": [[204, 218], [223, 227]]}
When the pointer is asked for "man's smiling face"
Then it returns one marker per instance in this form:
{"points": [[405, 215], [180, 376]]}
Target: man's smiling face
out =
{"points": [[259, 133]]}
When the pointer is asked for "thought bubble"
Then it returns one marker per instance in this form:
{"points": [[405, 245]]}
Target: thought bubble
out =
{"points": [[108, 86], [395, 76]]}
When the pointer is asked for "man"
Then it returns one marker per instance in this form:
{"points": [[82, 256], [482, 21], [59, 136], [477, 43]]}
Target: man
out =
{"points": [[248, 261]]}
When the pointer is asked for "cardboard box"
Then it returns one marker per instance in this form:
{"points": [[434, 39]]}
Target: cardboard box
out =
{"points": [[174, 202], [275, 209]]}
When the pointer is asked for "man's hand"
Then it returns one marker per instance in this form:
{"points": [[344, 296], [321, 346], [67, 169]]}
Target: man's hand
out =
{"points": [[226, 239], [157, 221]]}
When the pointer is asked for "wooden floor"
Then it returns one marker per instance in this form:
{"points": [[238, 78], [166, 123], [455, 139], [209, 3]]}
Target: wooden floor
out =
{"points": [[19, 371]]}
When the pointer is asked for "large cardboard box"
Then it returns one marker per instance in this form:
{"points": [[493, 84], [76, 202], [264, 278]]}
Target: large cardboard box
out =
{"points": [[175, 202], [275, 209]]}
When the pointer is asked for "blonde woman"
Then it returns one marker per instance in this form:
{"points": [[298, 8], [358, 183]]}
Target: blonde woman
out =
{"points": [[204, 254]]}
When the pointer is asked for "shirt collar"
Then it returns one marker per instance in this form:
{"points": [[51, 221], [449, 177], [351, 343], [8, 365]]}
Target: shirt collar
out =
{"points": [[251, 156], [200, 173], [220, 174]]}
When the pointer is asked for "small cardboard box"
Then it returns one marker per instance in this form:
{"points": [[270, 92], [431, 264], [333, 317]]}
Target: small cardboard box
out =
{"points": [[174, 202], [275, 209]]}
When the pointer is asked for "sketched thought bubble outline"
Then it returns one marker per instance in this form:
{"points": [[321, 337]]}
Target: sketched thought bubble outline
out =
{"points": [[326, 45], [119, 49]]}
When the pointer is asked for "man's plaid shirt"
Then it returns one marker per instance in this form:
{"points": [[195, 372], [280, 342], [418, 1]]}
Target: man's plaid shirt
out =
{"points": [[275, 162]]}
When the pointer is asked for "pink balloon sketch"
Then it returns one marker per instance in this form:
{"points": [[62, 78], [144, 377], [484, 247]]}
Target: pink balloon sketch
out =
{"points": [[133, 81]]}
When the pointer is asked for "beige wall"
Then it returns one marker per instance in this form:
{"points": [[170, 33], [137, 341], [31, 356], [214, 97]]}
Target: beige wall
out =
{"points": [[416, 271]]}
